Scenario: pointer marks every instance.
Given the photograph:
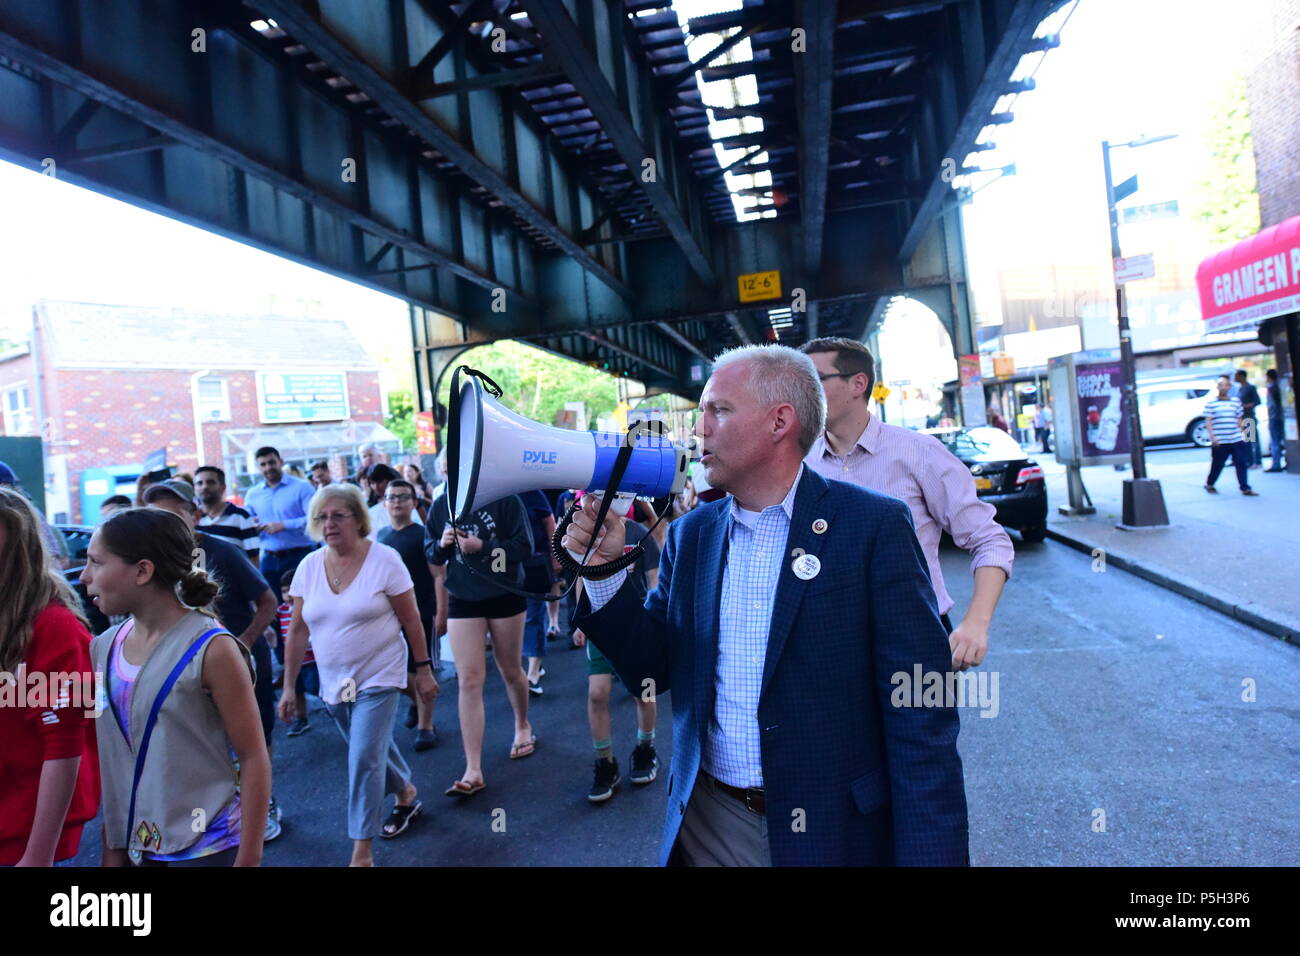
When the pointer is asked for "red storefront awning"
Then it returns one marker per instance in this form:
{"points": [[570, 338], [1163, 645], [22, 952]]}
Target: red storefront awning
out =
{"points": [[1253, 280]]}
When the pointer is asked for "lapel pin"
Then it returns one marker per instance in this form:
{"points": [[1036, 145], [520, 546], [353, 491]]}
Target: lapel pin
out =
{"points": [[820, 526], [806, 567]]}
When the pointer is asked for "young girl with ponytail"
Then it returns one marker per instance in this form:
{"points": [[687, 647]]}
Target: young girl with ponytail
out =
{"points": [[182, 755]]}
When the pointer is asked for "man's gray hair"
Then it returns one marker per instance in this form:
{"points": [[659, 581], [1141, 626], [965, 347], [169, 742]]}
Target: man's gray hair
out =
{"points": [[781, 375]]}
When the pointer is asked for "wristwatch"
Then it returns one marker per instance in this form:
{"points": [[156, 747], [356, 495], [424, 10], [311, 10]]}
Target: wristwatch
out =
{"points": [[427, 660]]}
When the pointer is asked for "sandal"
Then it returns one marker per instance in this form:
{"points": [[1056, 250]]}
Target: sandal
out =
{"points": [[462, 789], [400, 818], [520, 751]]}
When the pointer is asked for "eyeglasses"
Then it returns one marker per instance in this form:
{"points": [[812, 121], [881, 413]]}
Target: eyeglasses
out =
{"points": [[837, 375], [339, 516], [399, 497]]}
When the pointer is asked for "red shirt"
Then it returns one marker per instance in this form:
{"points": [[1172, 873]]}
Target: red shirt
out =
{"points": [[55, 728]]}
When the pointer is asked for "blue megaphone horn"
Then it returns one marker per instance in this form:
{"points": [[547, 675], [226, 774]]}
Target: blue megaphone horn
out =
{"points": [[493, 452]]}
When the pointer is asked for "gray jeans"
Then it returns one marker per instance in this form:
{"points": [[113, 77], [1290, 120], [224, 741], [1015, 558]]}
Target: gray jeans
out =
{"points": [[375, 765], [718, 830]]}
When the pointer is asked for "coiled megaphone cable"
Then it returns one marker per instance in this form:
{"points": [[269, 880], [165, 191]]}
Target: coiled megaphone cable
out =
{"points": [[628, 558]]}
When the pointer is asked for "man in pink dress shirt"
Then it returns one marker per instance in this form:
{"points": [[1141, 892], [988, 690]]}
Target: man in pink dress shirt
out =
{"points": [[859, 448]]}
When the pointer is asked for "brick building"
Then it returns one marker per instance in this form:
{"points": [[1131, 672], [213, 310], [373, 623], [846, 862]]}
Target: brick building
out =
{"points": [[107, 385], [1273, 98]]}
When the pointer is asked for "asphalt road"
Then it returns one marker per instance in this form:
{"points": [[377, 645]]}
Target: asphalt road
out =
{"points": [[1112, 696]]}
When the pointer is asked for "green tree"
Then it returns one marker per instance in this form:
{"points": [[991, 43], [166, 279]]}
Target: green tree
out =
{"points": [[401, 417], [537, 384], [1226, 201]]}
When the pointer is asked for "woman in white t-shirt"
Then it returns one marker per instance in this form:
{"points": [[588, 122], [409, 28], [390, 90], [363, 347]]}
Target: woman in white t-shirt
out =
{"points": [[355, 600]]}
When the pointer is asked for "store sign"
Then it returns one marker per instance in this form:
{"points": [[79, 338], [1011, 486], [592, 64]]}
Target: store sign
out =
{"points": [[288, 397], [1253, 280]]}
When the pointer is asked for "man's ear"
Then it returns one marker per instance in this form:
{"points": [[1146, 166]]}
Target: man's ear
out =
{"points": [[783, 421]]}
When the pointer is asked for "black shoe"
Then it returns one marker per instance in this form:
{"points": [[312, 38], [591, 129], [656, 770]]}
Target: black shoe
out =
{"points": [[1274, 470], [605, 780], [645, 763], [535, 688], [412, 718], [552, 636], [426, 739]]}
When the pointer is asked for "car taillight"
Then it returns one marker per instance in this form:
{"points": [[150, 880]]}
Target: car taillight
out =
{"points": [[1032, 473]]}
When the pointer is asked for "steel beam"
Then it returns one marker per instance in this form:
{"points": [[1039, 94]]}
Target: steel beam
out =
{"points": [[1019, 31], [293, 17], [181, 132], [682, 340], [814, 71], [563, 44], [535, 73]]}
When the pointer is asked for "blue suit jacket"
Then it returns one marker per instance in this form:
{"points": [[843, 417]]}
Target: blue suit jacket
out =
{"points": [[876, 784]]}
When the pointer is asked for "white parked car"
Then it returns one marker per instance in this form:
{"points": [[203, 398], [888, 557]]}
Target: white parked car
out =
{"points": [[1176, 410]]}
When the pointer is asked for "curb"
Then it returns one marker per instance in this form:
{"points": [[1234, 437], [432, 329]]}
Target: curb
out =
{"points": [[1248, 612]]}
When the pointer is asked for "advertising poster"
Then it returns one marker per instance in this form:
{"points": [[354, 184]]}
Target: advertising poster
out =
{"points": [[1103, 429]]}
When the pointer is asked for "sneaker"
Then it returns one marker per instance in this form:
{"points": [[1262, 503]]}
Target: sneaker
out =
{"points": [[645, 763], [273, 827], [299, 727], [1250, 492], [605, 780], [426, 739], [1211, 489], [552, 635], [412, 716], [535, 688]]}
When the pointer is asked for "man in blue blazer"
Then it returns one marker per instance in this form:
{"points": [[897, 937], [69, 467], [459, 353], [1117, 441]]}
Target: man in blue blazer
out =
{"points": [[783, 616]]}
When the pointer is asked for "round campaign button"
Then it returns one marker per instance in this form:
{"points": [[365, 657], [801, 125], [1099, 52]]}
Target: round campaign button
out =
{"points": [[806, 567], [820, 526]]}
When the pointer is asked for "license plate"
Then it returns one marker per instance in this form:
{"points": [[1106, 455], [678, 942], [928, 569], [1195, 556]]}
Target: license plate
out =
{"points": [[983, 484]]}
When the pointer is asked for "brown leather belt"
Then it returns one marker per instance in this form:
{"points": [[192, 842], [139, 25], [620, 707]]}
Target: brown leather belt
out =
{"points": [[751, 797]]}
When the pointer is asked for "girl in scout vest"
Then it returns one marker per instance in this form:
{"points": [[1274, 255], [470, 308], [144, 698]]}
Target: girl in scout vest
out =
{"points": [[182, 755]]}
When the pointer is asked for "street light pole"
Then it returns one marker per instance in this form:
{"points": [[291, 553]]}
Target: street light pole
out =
{"points": [[1144, 502]]}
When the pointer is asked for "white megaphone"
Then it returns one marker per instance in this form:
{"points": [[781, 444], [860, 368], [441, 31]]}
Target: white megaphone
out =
{"points": [[493, 453]]}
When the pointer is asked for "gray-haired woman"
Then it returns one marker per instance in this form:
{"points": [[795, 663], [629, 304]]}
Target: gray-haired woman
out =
{"points": [[355, 600]]}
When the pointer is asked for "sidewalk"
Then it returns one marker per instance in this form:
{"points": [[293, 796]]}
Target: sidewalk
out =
{"points": [[1238, 555]]}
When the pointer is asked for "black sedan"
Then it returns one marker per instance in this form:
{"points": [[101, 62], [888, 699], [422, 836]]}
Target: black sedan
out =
{"points": [[1005, 476]]}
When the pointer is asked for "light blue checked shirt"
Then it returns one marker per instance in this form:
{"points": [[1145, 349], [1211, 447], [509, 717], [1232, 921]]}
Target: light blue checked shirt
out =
{"points": [[756, 546]]}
